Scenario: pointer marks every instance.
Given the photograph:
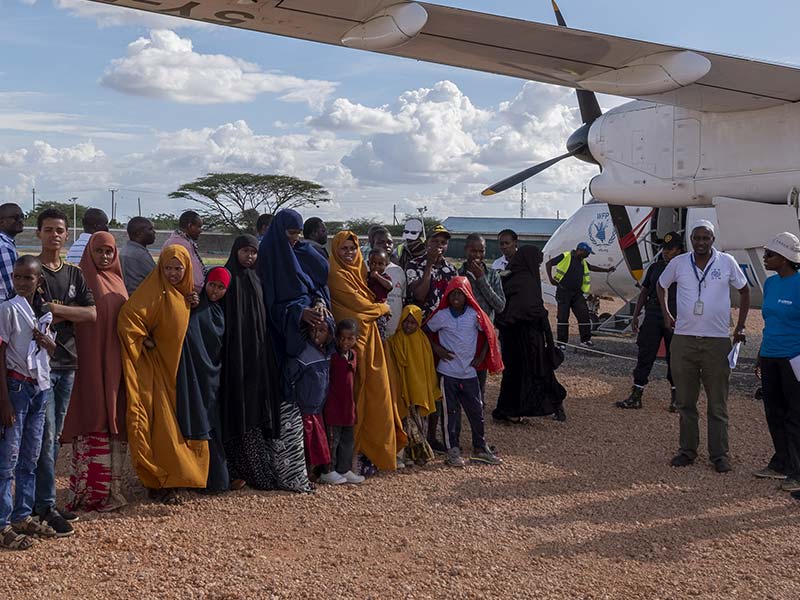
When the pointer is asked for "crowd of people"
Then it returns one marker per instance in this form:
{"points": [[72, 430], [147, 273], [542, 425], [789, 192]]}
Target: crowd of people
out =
{"points": [[301, 362]]}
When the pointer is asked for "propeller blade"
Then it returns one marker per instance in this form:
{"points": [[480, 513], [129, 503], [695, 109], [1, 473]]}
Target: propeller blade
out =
{"points": [[509, 182], [628, 237], [587, 101]]}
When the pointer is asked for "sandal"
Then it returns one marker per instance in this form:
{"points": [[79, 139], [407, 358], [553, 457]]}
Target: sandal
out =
{"points": [[237, 484], [167, 496], [11, 540], [33, 528]]}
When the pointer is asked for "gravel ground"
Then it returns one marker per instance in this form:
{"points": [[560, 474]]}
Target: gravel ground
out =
{"points": [[585, 509]]}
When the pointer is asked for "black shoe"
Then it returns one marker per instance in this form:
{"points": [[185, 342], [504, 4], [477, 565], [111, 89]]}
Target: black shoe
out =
{"points": [[681, 460], [560, 415], [70, 517], [54, 519], [722, 465], [673, 404], [632, 401]]}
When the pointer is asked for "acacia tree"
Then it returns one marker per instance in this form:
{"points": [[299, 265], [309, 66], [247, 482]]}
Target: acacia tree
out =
{"points": [[234, 200]]}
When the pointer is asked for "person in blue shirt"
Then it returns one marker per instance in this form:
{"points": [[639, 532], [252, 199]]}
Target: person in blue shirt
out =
{"points": [[779, 360]]}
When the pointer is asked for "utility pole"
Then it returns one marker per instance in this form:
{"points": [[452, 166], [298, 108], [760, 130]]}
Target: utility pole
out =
{"points": [[394, 214], [113, 205], [139, 201], [34, 198], [522, 191], [74, 201]]}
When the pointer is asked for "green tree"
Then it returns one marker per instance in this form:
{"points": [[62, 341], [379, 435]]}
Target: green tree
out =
{"points": [[231, 200], [65, 207], [164, 221], [360, 226]]}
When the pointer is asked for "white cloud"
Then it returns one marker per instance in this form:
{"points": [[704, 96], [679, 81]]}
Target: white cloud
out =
{"points": [[343, 115], [45, 154], [13, 159], [164, 65], [438, 142]]}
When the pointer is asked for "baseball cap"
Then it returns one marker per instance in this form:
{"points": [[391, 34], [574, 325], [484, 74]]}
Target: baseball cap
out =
{"points": [[787, 245], [439, 230], [705, 224], [672, 239], [585, 246]]}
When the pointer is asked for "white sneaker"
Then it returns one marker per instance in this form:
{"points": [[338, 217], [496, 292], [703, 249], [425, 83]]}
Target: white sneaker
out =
{"points": [[351, 477], [332, 478]]}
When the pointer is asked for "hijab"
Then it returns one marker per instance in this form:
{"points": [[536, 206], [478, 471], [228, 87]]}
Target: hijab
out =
{"points": [[293, 278], [247, 390], [492, 362], [523, 287], [353, 275], [197, 408], [99, 393], [413, 359]]}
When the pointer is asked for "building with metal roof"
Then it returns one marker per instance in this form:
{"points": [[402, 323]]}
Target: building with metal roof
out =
{"points": [[530, 231]]}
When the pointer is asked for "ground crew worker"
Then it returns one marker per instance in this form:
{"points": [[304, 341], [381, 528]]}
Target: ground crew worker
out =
{"points": [[572, 284], [653, 330]]}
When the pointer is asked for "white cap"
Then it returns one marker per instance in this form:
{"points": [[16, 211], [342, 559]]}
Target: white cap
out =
{"points": [[704, 224], [787, 245]]}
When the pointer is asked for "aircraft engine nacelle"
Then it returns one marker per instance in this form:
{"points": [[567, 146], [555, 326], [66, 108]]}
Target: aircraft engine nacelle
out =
{"points": [[648, 158]]}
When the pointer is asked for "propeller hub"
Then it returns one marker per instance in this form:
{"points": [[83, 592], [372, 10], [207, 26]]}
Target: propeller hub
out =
{"points": [[578, 144]]}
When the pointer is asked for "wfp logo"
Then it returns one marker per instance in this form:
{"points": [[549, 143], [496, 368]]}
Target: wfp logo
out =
{"points": [[601, 231]]}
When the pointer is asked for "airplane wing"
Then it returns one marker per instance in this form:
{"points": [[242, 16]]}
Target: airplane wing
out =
{"points": [[495, 44]]}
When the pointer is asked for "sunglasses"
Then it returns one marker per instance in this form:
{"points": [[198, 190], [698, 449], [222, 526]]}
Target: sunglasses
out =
{"points": [[770, 254], [14, 217]]}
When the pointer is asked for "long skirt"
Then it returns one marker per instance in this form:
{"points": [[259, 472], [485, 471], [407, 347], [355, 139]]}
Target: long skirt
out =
{"points": [[96, 479], [271, 464], [529, 386]]}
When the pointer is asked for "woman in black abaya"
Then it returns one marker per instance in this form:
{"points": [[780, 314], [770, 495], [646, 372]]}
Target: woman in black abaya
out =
{"points": [[248, 392], [529, 386]]}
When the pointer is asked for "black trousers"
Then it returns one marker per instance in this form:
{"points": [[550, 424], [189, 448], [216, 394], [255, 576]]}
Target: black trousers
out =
{"points": [[567, 301], [651, 332], [466, 394], [782, 408]]}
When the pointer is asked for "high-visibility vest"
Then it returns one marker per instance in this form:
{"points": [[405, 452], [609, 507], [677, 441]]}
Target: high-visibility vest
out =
{"points": [[563, 266]]}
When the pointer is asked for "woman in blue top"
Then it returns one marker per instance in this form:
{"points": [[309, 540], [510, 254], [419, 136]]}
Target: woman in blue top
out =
{"points": [[780, 352]]}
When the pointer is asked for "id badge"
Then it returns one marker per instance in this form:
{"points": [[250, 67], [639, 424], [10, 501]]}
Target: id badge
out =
{"points": [[698, 308]]}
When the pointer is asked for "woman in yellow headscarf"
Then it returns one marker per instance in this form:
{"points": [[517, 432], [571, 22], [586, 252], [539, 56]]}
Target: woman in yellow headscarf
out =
{"points": [[416, 385], [151, 327], [378, 431]]}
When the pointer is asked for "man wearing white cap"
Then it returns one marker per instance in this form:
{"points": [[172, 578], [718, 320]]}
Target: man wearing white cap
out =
{"points": [[701, 344], [779, 360]]}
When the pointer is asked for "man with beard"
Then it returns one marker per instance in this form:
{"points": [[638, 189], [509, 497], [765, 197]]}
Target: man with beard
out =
{"points": [[316, 234]]}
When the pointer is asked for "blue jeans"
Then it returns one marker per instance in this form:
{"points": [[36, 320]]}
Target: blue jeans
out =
{"points": [[57, 403], [20, 445]]}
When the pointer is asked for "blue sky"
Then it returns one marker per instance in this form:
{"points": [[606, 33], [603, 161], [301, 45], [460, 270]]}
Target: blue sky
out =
{"points": [[72, 125]]}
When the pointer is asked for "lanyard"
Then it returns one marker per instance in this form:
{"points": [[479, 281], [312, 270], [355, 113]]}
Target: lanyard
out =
{"points": [[705, 273]]}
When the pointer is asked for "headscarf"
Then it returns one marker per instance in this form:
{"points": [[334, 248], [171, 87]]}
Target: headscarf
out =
{"points": [[523, 287], [413, 359], [197, 406], [160, 454], [353, 275], [293, 277], [248, 396], [98, 394], [493, 362]]}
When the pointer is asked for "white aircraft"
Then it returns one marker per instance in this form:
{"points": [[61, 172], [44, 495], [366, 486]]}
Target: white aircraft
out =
{"points": [[704, 129]]}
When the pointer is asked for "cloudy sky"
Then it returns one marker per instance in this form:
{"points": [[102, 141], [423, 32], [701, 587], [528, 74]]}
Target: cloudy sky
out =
{"points": [[94, 96]]}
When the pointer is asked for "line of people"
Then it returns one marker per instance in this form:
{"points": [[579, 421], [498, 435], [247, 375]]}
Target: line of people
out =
{"points": [[282, 367]]}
